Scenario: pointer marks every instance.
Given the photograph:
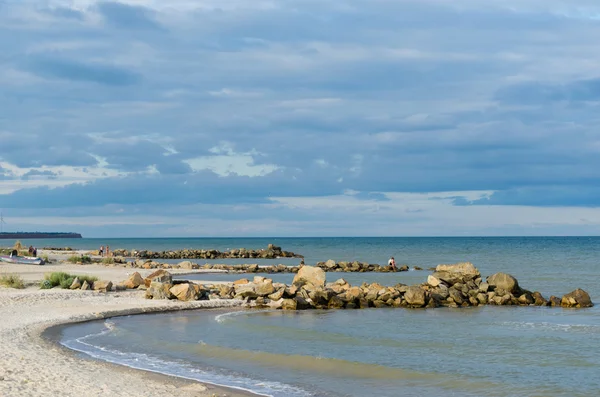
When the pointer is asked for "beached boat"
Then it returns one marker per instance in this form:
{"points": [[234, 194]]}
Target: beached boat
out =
{"points": [[25, 260]]}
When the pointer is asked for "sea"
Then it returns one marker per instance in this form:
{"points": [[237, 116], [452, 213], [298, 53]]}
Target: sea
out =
{"points": [[481, 351]]}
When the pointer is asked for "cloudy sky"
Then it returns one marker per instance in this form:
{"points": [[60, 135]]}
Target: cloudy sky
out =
{"points": [[300, 117]]}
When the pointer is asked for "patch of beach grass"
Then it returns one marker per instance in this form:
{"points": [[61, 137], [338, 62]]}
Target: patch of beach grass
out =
{"points": [[12, 281], [64, 280], [108, 261], [79, 259]]}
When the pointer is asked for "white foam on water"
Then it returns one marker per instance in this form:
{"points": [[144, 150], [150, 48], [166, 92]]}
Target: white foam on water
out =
{"points": [[221, 318], [553, 326], [182, 370]]}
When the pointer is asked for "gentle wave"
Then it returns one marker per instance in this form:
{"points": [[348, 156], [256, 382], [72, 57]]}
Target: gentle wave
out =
{"points": [[585, 328], [179, 369]]}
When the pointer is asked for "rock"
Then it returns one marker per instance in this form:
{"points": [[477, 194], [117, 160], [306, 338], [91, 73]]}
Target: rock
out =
{"points": [[188, 265], [241, 281], [310, 275], [456, 295], [158, 290], [504, 282], [120, 287], [245, 291], [252, 268], [403, 268], [76, 284], [415, 296], [465, 268], [275, 296], [184, 292], [264, 288], [554, 301], [335, 303], [330, 264], [578, 298], [483, 287], [288, 304], [160, 276], [134, 281], [85, 286], [433, 281], [276, 304], [102, 286], [539, 300]]}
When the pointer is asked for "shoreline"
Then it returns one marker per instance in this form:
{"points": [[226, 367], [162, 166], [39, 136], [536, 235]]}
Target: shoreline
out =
{"points": [[35, 365], [51, 336]]}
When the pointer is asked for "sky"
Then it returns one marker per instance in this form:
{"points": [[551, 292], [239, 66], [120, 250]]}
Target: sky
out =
{"points": [[300, 117]]}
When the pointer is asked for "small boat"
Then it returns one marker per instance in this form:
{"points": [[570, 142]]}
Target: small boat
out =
{"points": [[25, 260]]}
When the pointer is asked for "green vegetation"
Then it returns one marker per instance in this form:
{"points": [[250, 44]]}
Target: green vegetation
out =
{"points": [[64, 280], [18, 246], [79, 259], [12, 281], [108, 261], [46, 259]]}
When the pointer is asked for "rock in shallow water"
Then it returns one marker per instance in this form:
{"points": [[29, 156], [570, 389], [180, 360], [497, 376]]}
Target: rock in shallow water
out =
{"points": [[578, 298]]}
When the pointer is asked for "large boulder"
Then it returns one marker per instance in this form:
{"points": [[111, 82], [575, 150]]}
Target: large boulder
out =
{"points": [[433, 281], [330, 264], [505, 282], [264, 288], [458, 272], [310, 276], [415, 296], [184, 291], [188, 265], [578, 298], [134, 281], [158, 290], [102, 285], [245, 291], [159, 276]]}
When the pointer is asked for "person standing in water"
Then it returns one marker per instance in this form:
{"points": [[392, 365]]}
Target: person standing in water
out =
{"points": [[392, 264]]}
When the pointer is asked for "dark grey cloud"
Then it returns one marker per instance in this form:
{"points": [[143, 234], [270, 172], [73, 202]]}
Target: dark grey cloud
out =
{"points": [[39, 173], [67, 69]]}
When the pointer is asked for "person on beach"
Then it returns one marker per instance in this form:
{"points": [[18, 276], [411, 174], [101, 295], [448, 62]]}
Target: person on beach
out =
{"points": [[107, 251], [101, 250], [35, 252], [30, 252], [392, 264]]}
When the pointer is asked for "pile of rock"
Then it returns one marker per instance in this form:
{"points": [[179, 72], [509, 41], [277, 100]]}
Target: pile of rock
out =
{"points": [[329, 266], [458, 285], [357, 267], [100, 285], [272, 252]]}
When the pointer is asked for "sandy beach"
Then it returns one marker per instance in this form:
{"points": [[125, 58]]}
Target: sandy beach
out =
{"points": [[33, 365]]}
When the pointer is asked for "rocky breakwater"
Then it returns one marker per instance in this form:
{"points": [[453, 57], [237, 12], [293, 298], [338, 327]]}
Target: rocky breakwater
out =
{"points": [[329, 266], [271, 252], [358, 267], [457, 285]]}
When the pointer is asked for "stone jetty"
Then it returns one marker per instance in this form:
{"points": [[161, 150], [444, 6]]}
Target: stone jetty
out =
{"points": [[329, 266], [271, 252], [456, 285]]}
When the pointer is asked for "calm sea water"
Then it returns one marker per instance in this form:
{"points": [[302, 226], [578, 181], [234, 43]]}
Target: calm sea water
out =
{"points": [[487, 351]]}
